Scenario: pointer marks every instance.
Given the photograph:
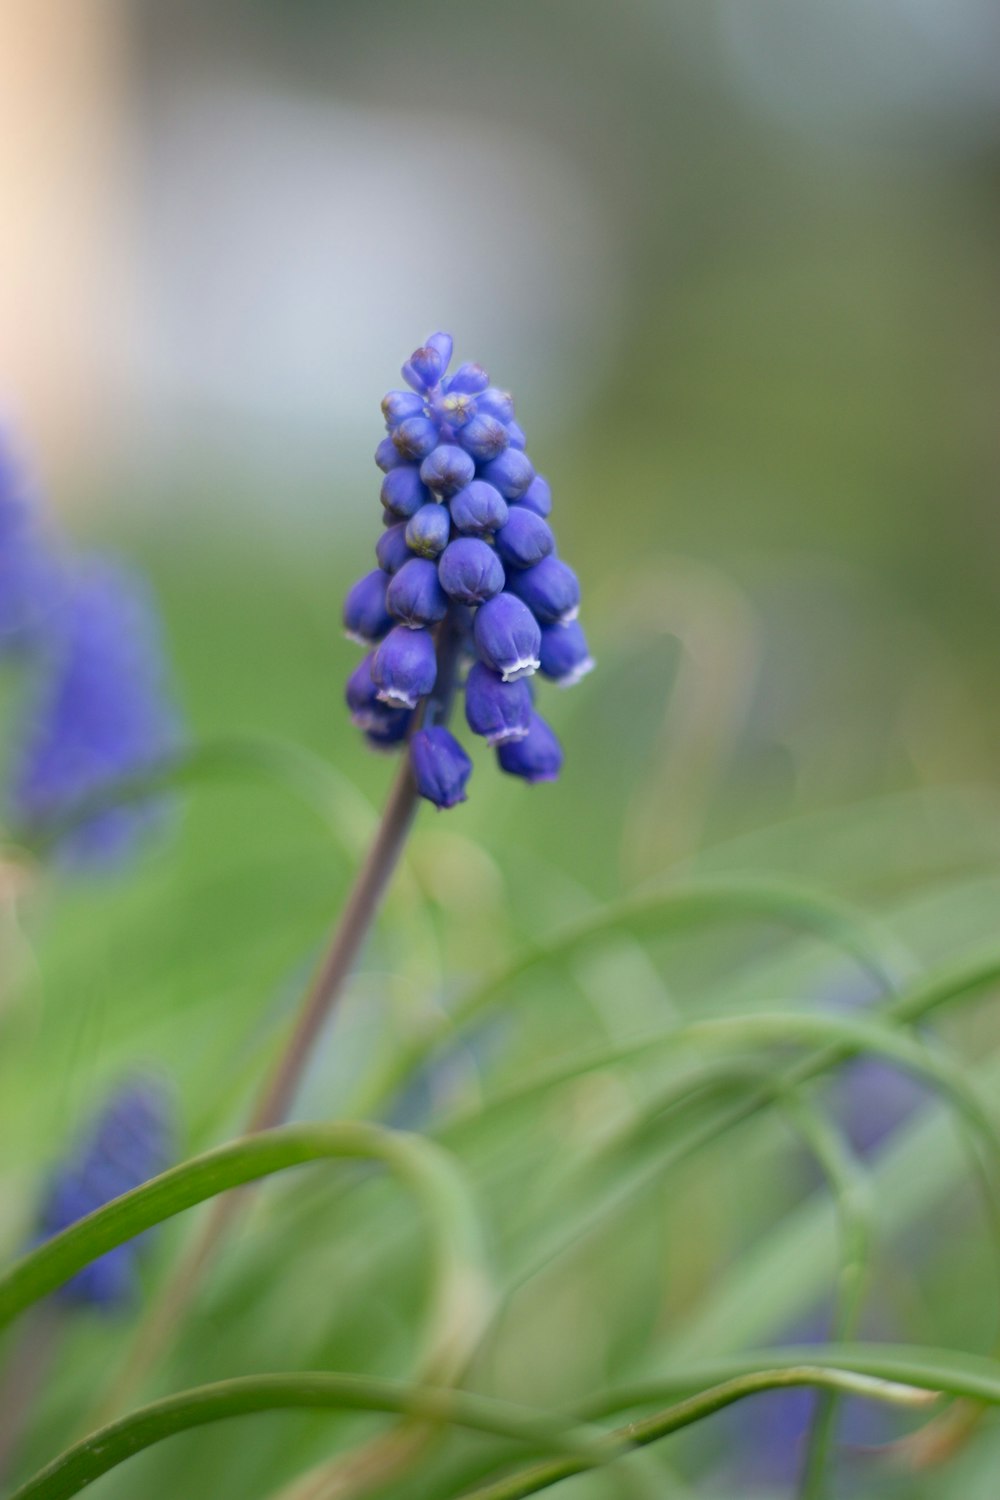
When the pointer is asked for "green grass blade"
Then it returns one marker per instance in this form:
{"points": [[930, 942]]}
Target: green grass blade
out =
{"points": [[459, 1297], [696, 903], [105, 1449]]}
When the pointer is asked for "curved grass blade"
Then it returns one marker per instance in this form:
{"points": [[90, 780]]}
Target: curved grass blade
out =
{"points": [[878, 953], [105, 1449], [459, 1296], [907, 1376]]}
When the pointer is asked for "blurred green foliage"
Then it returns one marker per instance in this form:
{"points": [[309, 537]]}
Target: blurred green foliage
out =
{"points": [[781, 499]]}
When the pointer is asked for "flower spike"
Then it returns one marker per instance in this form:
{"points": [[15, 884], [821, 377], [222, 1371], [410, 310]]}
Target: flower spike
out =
{"points": [[467, 556]]}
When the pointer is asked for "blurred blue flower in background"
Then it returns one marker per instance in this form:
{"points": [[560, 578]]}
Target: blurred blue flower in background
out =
{"points": [[30, 568], [103, 712], [130, 1141]]}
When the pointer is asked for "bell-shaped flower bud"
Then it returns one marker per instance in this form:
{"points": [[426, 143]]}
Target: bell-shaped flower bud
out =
{"points": [[415, 438], [479, 509], [538, 496], [442, 345], [496, 403], [498, 710], [387, 455], [469, 378], [391, 549], [398, 405], [440, 766], [447, 469], [511, 473], [470, 570], [484, 437], [550, 590], [366, 617], [414, 596], [361, 694], [507, 637], [564, 654], [403, 493], [424, 368], [524, 540], [387, 726], [428, 531], [404, 668], [456, 408], [516, 437], [537, 757]]}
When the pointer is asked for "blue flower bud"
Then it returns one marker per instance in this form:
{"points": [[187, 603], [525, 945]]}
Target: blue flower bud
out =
{"points": [[440, 766], [511, 473], [496, 403], [391, 549], [507, 637], [549, 589], [478, 509], [425, 365], [415, 438], [564, 654], [398, 405], [525, 539], [538, 496], [428, 531], [456, 408], [538, 757], [387, 727], [442, 344], [414, 596], [498, 710], [516, 437], [402, 492], [469, 378], [447, 469], [383, 725], [387, 455], [483, 437], [361, 694], [366, 618], [404, 668], [470, 570]]}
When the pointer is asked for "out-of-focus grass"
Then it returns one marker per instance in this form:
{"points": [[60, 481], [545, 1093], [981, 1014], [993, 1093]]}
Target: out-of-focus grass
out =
{"points": [[198, 956]]}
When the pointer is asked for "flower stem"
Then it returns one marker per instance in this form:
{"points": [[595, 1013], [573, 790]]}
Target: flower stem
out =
{"points": [[279, 1089]]}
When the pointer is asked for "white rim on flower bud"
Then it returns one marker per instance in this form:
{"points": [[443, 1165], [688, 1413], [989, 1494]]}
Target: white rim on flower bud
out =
{"points": [[506, 736], [359, 639], [572, 677], [396, 698], [525, 666]]}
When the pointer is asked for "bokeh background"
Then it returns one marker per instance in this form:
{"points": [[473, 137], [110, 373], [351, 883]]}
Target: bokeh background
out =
{"points": [[739, 262]]}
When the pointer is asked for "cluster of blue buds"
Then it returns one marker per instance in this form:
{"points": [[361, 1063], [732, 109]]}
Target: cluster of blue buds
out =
{"points": [[467, 568], [100, 709], [129, 1142]]}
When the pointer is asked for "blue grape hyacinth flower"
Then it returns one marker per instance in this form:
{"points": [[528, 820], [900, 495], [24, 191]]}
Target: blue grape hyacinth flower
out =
{"points": [[130, 1141], [103, 712], [467, 557]]}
